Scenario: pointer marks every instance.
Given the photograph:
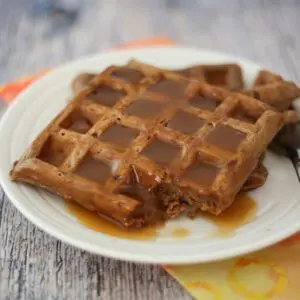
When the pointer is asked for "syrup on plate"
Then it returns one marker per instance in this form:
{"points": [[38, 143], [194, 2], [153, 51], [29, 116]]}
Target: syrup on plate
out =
{"points": [[242, 211], [97, 223]]}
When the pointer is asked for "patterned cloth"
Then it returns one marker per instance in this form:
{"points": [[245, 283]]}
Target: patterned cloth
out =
{"points": [[270, 274]]}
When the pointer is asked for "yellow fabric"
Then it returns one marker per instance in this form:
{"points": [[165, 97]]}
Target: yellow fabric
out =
{"points": [[270, 274]]}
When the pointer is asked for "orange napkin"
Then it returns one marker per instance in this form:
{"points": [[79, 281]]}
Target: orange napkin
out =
{"points": [[270, 274]]}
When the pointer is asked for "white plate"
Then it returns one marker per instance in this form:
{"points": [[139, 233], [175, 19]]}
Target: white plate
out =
{"points": [[278, 201]]}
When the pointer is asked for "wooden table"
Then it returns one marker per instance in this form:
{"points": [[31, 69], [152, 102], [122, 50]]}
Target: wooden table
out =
{"points": [[34, 36]]}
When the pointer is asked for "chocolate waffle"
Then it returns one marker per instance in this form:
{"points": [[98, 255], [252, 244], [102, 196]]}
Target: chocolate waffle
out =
{"points": [[268, 87], [272, 89], [194, 142], [256, 179], [265, 77], [227, 76]]}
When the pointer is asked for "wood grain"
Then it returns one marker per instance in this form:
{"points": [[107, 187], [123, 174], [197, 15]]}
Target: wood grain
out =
{"points": [[40, 34]]}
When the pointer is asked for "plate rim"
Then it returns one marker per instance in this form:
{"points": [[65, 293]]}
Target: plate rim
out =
{"points": [[48, 228]]}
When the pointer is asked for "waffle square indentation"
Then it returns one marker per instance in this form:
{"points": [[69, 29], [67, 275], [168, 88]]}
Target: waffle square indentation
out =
{"points": [[119, 135], [161, 152], [185, 122]]}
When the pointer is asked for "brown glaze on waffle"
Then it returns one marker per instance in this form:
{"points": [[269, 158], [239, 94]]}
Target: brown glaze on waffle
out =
{"points": [[146, 108], [227, 76], [115, 160], [268, 87]]}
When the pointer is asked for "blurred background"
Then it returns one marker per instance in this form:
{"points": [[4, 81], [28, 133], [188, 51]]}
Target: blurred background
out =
{"points": [[37, 34]]}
